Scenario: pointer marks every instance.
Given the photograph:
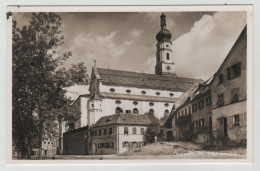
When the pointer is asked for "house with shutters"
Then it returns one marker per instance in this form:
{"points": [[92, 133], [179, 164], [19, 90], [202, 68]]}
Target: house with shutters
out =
{"points": [[229, 93]]}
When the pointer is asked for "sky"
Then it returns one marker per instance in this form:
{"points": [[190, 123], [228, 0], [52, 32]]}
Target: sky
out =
{"points": [[126, 41]]}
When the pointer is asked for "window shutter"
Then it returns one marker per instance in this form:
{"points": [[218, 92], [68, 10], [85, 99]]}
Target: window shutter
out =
{"points": [[243, 119], [239, 68], [228, 73], [230, 122]]}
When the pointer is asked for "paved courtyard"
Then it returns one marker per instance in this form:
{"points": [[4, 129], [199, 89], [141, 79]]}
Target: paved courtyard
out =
{"points": [[166, 150]]}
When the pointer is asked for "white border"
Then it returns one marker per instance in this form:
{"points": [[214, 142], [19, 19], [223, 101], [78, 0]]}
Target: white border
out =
{"points": [[247, 8]]}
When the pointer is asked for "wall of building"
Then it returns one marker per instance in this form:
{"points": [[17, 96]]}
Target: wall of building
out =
{"points": [[228, 112], [84, 111], [130, 137], [229, 108], [138, 91], [96, 140], [108, 107], [75, 142]]}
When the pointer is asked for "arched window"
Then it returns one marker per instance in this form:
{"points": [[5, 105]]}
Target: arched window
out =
{"points": [[166, 112], [143, 92], [135, 111], [151, 111], [158, 93], [135, 103], [118, 102], [168, 56], [151, 104], [119, 110]]}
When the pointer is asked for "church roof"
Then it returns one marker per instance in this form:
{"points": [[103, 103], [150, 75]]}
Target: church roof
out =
{"points": [[124, 119], [137, 97], [143, 80]]}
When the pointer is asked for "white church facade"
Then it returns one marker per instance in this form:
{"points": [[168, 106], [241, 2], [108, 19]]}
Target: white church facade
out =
{"points": [[117, 91]]}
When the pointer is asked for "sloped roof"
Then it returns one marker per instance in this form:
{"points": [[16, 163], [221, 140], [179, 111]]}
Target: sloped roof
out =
{"points": [[137, 97], [124, 119], [143, 80]]}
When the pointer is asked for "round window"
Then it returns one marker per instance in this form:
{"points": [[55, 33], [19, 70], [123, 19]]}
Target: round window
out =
{"points": [[166, 104], [168, 67], [135, 103], [118, 102], [157, 93], [143, 92], [128, 91], [112, 90], [171, 94]]}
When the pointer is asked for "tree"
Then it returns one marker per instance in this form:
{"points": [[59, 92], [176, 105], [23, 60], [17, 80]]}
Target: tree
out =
{"points": [[38, 94], [153, 129]]}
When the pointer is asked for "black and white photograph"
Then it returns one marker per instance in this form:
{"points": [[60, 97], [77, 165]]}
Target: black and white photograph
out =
{"points": [[130, 84]]}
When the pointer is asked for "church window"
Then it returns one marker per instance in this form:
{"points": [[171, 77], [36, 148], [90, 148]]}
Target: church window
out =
{"points": [[168, 56], [166, 104], [151, 112], [157, 93], [171, 94], [135, 103], [112, 90], [128, 91], [143, 92], [166, 112], [151, 104], [119, 110], [128, 111], [118, 102], [135, 111]]}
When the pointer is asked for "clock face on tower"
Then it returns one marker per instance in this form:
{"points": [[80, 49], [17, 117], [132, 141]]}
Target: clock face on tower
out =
{"points": [[168, 67]]}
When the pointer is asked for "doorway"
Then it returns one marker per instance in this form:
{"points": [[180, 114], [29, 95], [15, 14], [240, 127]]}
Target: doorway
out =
{"points": [[222, 126]]}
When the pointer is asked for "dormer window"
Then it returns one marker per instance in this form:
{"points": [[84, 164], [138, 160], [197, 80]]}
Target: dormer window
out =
{"points": [[128, 91], [143, 92], [112, 90]]}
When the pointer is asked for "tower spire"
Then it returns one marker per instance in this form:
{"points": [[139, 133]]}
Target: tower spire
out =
{"points": [[164, 55]]}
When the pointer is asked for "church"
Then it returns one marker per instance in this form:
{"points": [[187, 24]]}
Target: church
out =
{"points": [[116, 91]]}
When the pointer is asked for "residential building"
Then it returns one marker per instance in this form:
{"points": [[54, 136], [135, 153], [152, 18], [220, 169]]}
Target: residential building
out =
{"points": [[229, 93]]}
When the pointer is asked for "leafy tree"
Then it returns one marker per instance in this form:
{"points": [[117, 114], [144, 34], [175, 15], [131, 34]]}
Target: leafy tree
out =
{"points": [[38, 94], [153, 130]]}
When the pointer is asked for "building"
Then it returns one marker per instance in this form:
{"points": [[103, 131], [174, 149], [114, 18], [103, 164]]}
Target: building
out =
{"points": [[116, 91], [118, 133], [229, 93]]}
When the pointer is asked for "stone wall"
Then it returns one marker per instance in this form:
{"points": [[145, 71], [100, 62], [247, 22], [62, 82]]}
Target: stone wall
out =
{"points": [[75, 142]]}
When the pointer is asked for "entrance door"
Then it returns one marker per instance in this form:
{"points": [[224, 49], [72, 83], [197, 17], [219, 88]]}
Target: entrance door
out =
{"points": [[223, 127]]}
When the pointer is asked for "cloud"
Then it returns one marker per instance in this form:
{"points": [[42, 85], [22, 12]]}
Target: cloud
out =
{"points": [[135, 32], [202, 50]]}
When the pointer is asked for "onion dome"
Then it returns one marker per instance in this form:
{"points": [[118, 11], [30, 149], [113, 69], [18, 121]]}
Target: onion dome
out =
{"points": [[164, 34]]}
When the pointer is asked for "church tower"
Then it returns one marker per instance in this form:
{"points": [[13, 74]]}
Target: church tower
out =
{"points": [[164, 55]]}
